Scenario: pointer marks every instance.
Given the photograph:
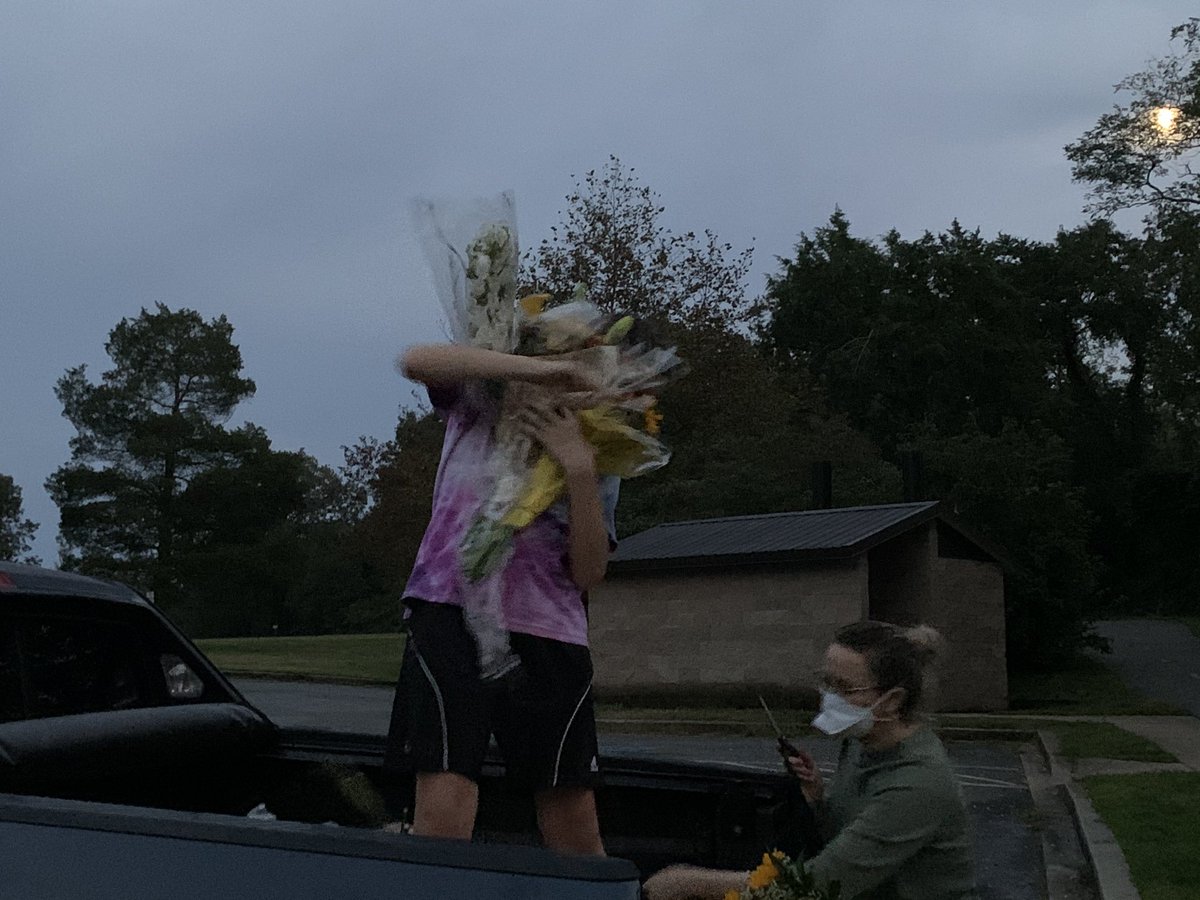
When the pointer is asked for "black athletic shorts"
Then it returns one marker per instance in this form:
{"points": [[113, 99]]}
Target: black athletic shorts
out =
{"points": [[444, 715]]}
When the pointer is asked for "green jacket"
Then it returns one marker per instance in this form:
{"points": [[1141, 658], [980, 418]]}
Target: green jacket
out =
{"points": [[896, 824]]}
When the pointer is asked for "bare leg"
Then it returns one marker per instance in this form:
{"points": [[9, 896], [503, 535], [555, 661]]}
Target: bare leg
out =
{"points": [[446, 804], [567, 820]]}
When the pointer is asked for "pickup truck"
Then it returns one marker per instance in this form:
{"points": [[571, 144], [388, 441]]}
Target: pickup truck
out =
{"points": [[131, 767]]}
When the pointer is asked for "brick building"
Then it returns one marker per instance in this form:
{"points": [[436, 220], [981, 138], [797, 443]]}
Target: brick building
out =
{"points": [[737, 605]]}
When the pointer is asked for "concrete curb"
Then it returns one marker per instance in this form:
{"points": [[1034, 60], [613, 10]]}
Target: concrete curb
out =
{"points": [[1109, 867], [1069, 874]]}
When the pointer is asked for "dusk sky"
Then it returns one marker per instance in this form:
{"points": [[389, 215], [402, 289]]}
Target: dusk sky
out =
{"points": [[256, 160]]}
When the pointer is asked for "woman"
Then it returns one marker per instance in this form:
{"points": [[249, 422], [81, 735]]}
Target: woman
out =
{"points": [[893, 816]]}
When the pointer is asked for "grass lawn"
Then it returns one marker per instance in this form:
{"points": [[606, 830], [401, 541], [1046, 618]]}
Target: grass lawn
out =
{"points": [[361, 658], [1100, 740], [1084, 687], [1155, 819]]}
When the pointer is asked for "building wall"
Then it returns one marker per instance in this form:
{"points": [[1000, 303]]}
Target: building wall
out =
{"points": [[901, 577], [733, 631], [912, 583], [968, 609], [720, 629]]}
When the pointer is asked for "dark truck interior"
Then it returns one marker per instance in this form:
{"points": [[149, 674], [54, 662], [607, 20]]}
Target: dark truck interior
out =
{"points": [[92, 708]]}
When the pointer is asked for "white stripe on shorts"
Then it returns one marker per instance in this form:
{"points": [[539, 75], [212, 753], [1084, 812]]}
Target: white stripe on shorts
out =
{"points": [[437, 692], [566, 731]]}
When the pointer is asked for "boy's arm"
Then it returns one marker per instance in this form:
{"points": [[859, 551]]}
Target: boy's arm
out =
{"points": [[446, 365], [557, 430], [587, 542]]}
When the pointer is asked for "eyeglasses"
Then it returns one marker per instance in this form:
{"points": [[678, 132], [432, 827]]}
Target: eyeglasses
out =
{"points": [[837, 686]]}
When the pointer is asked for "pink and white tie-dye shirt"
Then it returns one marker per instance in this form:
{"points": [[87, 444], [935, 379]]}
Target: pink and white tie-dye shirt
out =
{"points": [[539, 595]]}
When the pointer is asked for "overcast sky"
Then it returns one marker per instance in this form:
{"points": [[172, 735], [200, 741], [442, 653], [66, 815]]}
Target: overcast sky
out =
{"points": [[254, 159]]}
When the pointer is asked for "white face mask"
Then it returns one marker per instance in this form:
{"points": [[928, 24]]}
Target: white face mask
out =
{"points": [[838, 715]]}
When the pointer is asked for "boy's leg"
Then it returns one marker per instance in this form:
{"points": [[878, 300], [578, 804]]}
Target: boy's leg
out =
{"points": [[567, 820], [547, 731], [446, 804], [440, 721]]}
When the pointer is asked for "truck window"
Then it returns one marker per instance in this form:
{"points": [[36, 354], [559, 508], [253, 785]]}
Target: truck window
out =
{"points": [[78, 666], [11, 705]]}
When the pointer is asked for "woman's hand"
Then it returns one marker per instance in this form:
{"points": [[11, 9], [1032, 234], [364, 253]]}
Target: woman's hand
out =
{"points": [[812, 785], [691, 883]]}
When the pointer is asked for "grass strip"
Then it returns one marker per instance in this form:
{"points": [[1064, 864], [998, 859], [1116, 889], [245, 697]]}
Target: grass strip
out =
{"points": [[1155, 818], [1084, 686], [354, 658], [1101, 740]]}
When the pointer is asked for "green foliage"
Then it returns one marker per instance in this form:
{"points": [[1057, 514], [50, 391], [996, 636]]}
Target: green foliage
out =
{"points": [[151, 424], [15, 530], [1050, 386], [1016, 487], [397, 476], [232, 536]]}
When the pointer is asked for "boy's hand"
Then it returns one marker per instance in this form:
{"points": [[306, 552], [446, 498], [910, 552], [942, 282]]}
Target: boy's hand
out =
{"points": [[557, 430]]}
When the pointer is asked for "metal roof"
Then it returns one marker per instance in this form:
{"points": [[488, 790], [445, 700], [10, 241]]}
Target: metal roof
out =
{"points": [[778, 537], [18, 578]]}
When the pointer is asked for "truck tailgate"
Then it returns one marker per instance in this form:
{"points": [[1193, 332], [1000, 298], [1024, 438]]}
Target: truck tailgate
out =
{"points": [[50, 849]]}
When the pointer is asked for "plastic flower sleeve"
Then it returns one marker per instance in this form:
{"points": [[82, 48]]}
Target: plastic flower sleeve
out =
{"points": [[472, 250]]}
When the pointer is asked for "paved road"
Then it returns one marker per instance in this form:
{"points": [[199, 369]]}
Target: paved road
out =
{"points": [[1160, 659], [1008, 850]]}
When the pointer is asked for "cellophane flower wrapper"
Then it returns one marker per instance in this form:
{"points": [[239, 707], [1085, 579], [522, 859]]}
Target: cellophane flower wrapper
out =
{"points": [[472, 250]]}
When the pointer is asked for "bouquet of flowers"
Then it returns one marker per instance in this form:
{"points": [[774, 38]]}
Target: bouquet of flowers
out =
{"points": [[779, 877], [621, 426], [472, 251]]}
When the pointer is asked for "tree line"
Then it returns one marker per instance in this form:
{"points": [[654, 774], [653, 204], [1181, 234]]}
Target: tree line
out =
{"points": [[1052, 389]]}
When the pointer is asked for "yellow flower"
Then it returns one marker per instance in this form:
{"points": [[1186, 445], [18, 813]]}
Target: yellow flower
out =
{"points": [[733, 895], [765, 873], [652, 420], [533, 304]]}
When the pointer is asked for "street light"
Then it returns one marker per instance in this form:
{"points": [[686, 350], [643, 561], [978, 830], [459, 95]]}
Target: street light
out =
{"points": [[1166, 120]]}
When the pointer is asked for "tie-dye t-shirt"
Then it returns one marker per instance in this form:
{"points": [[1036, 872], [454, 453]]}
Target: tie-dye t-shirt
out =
{"points": [[539, 595]]}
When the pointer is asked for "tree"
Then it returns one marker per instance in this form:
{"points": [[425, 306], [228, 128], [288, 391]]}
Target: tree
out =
{"points": [[733, 413], [15, 530], [612, 239], [150, 427], [954, 345], [1143, 153], [397, 476], [928, 330], [1016, 486]]}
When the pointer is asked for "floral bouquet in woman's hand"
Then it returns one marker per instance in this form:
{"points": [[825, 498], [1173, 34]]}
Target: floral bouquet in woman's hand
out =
{"points": [[779, 877]]}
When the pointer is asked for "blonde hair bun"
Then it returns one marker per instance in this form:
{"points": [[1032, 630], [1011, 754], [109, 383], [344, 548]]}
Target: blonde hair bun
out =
{"points": [[926, 639]]}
